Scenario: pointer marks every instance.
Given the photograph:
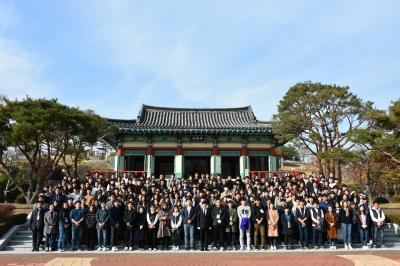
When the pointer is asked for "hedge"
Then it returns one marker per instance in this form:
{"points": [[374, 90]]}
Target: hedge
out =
{"points": [[393, 218], [11, 221]]}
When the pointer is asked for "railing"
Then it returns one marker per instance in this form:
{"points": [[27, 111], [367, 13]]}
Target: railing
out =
{"points": [[107, 172], [271, 173]]}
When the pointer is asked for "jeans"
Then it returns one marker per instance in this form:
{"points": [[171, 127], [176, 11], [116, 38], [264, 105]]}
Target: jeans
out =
{"points": [[241, 237], [332, 242], [317, 236], [231, 238], [61, 236], [363, 236], [346, 233], [176, 237], [378, 235], [51, 241], [102, 237], [128, 236], [188, 231], [303, 235], [76, 237]]}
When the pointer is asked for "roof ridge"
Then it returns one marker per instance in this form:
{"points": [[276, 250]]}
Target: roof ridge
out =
{"points": [[164, 108]]}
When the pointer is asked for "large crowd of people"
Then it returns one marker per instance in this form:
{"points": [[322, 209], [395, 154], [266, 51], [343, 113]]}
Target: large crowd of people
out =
{"points": [[131, 212]]}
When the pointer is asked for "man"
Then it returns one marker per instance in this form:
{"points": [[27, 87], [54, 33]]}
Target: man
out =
{"points": [[244, 214], [51, 229], [77, 216], [259, 223], [101, 220], [317, 218], [36, 224], [302, 216], [378, 219], [219, 217], [204, 221], [116, 223], [188, 216], [129, 221], [231, 227]]}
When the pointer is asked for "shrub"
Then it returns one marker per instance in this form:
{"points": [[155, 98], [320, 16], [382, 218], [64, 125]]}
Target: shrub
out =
{"points": [[20, 199], [11, 221], [6, 210], [381, 200], [392, 218], [396, 199]]}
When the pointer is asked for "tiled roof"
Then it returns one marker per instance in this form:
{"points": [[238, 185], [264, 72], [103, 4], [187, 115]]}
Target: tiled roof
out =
{"points": [[192, 120]]}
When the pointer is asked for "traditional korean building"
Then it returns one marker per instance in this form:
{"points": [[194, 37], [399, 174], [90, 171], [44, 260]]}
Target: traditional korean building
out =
{"points": [[184, 141]]}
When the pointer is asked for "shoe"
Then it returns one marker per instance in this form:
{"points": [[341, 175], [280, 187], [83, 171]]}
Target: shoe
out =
{"points": [[126, 249], [131, 248], [79, 250], [221, 249], [115, 249], [248, 248], [275, 247], [349, 246], [150, 249], [233, 248], [241, 248], [177, 247], [47, 249], [346, 246], [99, 249], [154, 249], [383, 246], [192, 249]]}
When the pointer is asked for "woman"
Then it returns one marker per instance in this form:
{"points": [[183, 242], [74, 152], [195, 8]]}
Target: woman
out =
{"points": [[346, 220], [152, 221], [64, 226], [363, 220], [176, 222], [273, 219], [141, 227], [164, 230], [232, 225], [331, 224], [90, 221], [51, 228], [129, 221], [287, 220]]}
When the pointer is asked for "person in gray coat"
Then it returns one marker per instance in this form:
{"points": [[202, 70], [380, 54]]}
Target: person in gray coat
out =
{"points": [[231, 226], [51, 228]]}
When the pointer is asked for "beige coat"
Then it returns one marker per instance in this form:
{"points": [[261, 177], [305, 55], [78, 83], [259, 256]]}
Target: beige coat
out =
{"points": [[273, 219]]}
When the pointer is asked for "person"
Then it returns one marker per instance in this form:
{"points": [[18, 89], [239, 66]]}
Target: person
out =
{"points": [[176, 222], [363, 221], [102, 218], [317, 219], [77, 217], [152, 219], [259, 217], [204, 222], [64, 225], [346, 220], [116, 223], [129, 222], [51, 228], [164, 229], [219, 217], [90, 232], [141, 227], [331, 226], [302, 216], [244, 215], [378, 220], [188, 215], [287, 221], [231, 226], [36, 224], [273, 219]]}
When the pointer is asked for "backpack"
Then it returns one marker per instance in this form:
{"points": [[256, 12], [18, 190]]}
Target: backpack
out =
{"points": [[244, 225]]}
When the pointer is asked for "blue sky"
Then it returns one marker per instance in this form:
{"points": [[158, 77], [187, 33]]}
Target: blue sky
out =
{"points": [[112, 56]]}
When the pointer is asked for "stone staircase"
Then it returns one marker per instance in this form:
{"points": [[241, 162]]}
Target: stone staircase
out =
{"points": [[21, 241]]}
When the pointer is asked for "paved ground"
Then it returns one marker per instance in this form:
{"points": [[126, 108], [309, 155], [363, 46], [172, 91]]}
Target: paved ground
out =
{"points": [[326, 258]]}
